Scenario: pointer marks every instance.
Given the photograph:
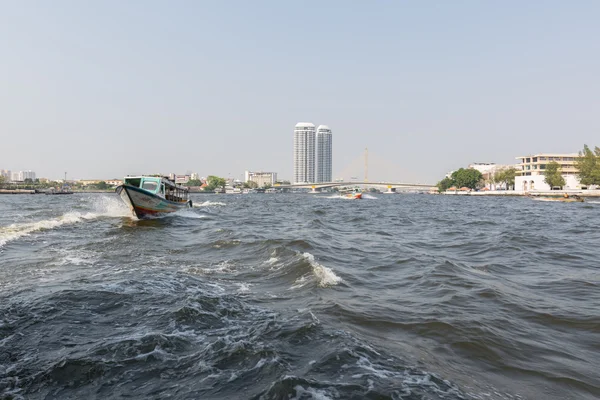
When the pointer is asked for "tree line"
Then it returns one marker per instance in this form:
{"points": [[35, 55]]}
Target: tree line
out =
{"points": [[588, 164]]}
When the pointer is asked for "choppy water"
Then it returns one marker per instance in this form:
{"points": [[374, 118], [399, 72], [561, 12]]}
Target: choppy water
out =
{"points": [[300, 296]]}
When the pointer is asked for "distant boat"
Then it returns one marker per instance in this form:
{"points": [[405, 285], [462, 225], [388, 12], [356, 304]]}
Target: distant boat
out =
{"points": [[153, 195], [351, 194], [565, 198]]}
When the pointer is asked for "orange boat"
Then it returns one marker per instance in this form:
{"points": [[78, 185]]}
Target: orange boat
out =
{"points": [[355, 194]]}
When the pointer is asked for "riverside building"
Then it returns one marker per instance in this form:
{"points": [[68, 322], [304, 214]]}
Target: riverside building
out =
{"points": [[323, 150], [304, 152], [530, 171], [261, 178]]}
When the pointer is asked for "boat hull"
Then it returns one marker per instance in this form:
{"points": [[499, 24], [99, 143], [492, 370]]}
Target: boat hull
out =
{"points": [[353, 196], [145, 205]]}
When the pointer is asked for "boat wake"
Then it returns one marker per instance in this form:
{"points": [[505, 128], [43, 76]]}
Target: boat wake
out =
{"points": [[209, 204], [102, 207], [16, 231]]}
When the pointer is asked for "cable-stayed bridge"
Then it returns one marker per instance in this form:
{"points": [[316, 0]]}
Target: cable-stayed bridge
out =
{"points": [[369, 169], [388, 185]]}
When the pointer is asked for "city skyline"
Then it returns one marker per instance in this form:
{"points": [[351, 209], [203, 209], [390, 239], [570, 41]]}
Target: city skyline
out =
{"points": [[428, 87]]}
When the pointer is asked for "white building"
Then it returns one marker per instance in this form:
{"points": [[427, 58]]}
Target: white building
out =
{"points": [[182, 179], [323, 149], [304, 153], [260, 178], [6, 174], [530, 174], [488, 170], [194, 176]]}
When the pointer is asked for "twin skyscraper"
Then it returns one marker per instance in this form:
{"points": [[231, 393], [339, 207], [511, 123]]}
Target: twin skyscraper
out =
{"points": [[312, 153]]}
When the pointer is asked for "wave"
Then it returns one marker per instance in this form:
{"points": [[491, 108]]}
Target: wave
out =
{"points": [[325, 276]]}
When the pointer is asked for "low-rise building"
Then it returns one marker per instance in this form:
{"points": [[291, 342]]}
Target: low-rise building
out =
{"points": [[261, 178], [530, 171], [488, 170]]}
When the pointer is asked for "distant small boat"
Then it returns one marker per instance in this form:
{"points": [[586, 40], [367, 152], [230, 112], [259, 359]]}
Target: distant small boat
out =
{"points": [[354, 194], [563, 199], [153, 195]]}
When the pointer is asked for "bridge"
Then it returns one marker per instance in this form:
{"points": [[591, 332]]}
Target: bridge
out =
{"points": [[391, 186], [387, 172]]}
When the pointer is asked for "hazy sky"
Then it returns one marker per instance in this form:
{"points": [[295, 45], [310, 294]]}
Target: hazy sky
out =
{"points": [[108, 88]]}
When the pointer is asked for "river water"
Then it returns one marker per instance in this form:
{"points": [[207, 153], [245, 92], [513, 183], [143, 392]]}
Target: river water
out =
{"points": [[300, 296]]}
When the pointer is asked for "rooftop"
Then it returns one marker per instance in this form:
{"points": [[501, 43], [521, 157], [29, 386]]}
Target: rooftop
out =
{"points": [[305, 125]]}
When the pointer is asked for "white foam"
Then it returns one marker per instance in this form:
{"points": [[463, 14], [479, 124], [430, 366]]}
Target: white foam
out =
{"points": [[244, 287], [312, 393], [298, 283], [188, 213], [325, 276], [16, 231], [103, 206], [368, 196], [209, 204]]}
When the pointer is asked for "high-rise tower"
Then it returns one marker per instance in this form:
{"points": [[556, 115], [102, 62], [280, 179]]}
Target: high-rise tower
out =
{"points": [[323, 159], [304, 153]]}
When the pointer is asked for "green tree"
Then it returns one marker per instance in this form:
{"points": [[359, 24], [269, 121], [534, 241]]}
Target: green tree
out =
{"points": [[194, 182], [267, 186], [214, 182], [250, 185], [2, 180], [468, 177], [506, 176], [588, 164], [102, 185], [445, 184], [552, 175]]}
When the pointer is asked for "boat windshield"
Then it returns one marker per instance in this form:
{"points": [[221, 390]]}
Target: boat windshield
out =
{"points": [[149, 186]]}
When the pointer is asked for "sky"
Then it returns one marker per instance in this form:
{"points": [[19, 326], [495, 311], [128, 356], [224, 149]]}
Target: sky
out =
{"points": [[105, 89]]}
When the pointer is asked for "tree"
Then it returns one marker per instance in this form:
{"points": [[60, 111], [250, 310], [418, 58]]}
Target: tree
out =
{"points": [[250, 185], [2, 180], [102, 185], [214, 182], [506, 176], [445, 184], [469, 177], [552, 175], [194, 182], [267, 186], [588, 164]]}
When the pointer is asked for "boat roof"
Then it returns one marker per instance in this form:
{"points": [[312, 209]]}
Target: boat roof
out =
{"points": [[165, 179]]}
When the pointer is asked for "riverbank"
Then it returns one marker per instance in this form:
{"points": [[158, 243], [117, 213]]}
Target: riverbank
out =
{"points": [[555, 193]]}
